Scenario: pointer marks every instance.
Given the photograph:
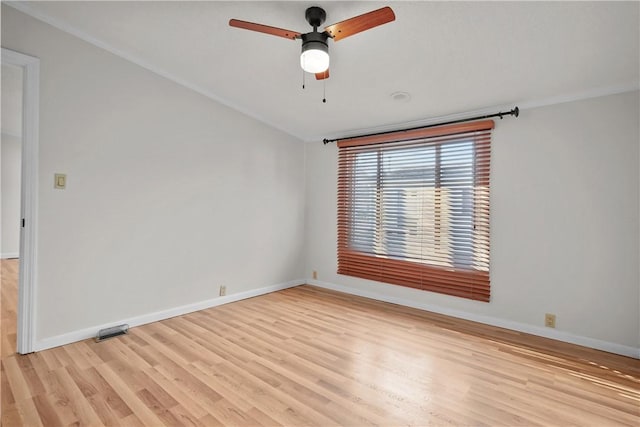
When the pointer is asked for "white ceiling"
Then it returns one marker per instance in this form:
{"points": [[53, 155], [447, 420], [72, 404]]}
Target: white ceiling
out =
{"points": [[451, 57]]}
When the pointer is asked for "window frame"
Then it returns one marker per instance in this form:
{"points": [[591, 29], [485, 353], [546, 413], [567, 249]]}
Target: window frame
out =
{"points": [[457, 281]]}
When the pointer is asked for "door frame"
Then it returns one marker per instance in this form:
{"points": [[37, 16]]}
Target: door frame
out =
{"points": [[27, 276]]}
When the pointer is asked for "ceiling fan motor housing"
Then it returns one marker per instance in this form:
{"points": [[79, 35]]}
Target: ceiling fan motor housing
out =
{"points": [[315, 50], [315, 16], [315, 40]]}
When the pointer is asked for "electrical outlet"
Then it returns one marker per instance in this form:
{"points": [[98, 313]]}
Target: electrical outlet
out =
{"points": [[315, 275], [223, 291], [550, 320]]}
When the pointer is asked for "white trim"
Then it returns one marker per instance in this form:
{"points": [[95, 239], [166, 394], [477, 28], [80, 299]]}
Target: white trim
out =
{"points": [[10, 255], [27, 276], [30, 10], [580, 96], [488, 320], [91, 332]]}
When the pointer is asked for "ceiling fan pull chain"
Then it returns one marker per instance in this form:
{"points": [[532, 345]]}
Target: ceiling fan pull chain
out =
{"points": [[315, 50], [324, 90], [303, 73]]}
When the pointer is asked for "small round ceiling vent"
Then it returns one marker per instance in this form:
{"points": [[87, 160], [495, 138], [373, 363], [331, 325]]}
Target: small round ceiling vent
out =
{"points": [[400, 96]]}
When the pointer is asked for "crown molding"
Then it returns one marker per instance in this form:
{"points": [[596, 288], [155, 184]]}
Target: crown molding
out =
{"points": [[28, 9], [581, 96]]}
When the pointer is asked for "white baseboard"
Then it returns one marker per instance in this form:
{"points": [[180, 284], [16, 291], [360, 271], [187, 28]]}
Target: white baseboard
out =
{"points": [[91, 332], [9, 255], [488, 320]]}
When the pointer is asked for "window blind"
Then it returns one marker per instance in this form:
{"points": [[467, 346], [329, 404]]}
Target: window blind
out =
{"points": [[413, 208]]}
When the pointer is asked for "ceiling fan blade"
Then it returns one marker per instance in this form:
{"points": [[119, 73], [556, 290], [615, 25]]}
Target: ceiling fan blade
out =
{"points": [[360, 23], [274, 31], [323, 75]]}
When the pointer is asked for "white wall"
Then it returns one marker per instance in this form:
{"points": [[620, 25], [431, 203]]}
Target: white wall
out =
{"points": [[169, 194], [10, 166], [565, 226], [12, 81]]}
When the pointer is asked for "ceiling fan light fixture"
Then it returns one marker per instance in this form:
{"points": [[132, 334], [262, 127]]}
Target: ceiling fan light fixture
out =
{"points": [[315, 53], [314, 61], [315, 50]]}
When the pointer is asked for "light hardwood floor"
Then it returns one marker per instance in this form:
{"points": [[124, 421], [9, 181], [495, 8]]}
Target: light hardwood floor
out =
{"points": [[9, 305], [307, 356]]}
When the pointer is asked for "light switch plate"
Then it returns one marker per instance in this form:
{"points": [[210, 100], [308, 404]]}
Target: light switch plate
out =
{"points": [[60, 181]]}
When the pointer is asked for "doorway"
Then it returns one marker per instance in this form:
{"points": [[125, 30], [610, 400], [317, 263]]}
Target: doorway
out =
{"points": [[10, 177], [18, 236]]}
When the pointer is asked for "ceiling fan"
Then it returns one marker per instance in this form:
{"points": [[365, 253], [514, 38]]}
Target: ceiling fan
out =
{"points": [[315, 50]]}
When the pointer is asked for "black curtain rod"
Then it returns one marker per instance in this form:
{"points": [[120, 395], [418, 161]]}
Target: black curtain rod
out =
{"points": [[501, 114]]}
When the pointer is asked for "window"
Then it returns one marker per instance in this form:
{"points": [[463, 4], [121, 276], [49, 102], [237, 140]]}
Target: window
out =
{"points": [[413, 208]]}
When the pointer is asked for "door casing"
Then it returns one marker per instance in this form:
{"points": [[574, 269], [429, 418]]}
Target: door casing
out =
{"points": [[27, 275]]}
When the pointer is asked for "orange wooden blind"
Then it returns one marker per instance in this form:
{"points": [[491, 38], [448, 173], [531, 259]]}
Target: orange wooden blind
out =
{"points": [[413, 208]]}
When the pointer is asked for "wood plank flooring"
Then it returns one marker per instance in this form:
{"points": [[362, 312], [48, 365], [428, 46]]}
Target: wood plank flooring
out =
{"points": [[8, 306], [307, 356]]}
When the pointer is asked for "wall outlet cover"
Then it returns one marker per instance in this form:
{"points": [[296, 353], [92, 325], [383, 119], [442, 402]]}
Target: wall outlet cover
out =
{"points": [[550, 320]]}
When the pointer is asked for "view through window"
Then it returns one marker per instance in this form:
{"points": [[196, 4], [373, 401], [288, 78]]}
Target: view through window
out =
{"points": [[416, 213]]}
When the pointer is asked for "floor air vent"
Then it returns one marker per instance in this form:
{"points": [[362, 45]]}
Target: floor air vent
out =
{"points": [[104, 334]]}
